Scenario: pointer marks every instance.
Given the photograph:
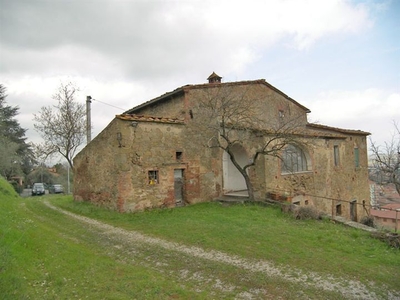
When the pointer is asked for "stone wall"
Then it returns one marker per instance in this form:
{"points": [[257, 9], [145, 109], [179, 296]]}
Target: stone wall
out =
{"points": [[117, 176], [114, 169], [325, 185]]}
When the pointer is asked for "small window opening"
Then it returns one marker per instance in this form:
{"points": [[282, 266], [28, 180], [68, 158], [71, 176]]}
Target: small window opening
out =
{"points": [[178, 155], [153, 177], [356, 158], [306, 202], [336, 155], [338, 209], [296, 203], [281, 114], [191, 114]]}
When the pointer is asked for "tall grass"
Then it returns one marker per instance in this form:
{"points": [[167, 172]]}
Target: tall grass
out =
{"points": [[258, 232], [45, 254], [41, 258]]}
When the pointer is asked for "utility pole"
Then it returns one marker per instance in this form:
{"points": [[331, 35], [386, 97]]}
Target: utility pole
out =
{"points": [[88, 120]]}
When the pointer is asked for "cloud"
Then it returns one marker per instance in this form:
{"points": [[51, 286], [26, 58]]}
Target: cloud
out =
{"points": [[372, 110], [125, 52], [149, 39]]}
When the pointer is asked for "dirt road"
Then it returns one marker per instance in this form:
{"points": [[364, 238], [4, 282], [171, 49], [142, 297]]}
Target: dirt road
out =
{"points": [[203, 268]]}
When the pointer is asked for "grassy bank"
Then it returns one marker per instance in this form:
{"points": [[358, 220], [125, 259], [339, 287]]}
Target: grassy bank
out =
{"points": [[47, 255], [264, 233], [42, 257]]}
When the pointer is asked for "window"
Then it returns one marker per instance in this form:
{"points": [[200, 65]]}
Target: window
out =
{"points": [[178, 155], [336, 155], [338, 209], [293, 160], [356, 158], [153, 177]]}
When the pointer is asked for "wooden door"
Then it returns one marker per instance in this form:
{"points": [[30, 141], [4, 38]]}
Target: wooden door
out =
{"points": [[178, 187]]}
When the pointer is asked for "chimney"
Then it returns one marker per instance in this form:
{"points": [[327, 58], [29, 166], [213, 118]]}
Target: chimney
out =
{"points": [[214, 78]]}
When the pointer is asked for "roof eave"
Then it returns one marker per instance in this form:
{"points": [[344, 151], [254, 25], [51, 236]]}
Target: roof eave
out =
{"points": [[182, 89], [163, 97], [340, 130]]}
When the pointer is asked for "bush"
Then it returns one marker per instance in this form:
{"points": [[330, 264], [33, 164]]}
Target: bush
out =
{"points": [[368, 221], [307, 212], [392, 239], [6, 189], [18, 188]]}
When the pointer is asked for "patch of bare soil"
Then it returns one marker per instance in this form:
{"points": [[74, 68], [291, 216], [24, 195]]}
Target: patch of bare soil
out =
{"points": [[129, 243]]}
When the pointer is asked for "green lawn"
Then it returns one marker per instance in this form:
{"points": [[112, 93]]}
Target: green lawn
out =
{"points": [[259, 232], [47, 255]]}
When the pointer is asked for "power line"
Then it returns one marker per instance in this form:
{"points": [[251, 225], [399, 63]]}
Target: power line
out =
{"points": [[322, 197], [109, 104]]}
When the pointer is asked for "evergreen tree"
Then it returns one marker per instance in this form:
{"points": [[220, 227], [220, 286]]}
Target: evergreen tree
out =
{"points": [[16, 156]]}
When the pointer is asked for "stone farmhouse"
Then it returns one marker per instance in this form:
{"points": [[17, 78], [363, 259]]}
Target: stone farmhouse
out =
{"points": [[157, 154]]}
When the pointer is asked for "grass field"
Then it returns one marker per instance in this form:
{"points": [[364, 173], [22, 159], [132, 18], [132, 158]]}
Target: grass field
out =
{"points": [[47, 255]]}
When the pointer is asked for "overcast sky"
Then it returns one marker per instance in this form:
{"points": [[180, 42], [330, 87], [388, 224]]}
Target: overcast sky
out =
{"points": [[339, 58]]}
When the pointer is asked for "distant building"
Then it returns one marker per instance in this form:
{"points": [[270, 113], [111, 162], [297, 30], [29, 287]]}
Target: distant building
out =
{"points": [[387, 216], [154, 155]]}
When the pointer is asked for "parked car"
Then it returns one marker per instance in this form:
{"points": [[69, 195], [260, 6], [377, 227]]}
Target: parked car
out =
{"points": [[38, 189], [56, 189]]}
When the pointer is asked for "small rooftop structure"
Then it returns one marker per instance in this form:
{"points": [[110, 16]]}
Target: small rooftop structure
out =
{"points": [[214, 78]]}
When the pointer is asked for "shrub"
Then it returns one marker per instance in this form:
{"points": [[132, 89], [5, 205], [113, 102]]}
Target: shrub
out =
{"points": [[18, 188], [392, 239], [307, 212], [368, 221]]}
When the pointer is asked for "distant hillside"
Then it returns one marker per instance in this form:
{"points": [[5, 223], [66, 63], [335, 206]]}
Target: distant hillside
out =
{"points": [[6, 190]]}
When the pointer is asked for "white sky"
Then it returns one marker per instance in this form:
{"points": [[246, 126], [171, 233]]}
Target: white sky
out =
{"points": [[339, 58]]}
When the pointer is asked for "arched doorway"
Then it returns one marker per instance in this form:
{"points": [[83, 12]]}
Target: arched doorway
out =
{"points": [[233, 180]]}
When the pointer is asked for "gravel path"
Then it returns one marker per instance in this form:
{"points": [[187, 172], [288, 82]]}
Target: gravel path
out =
{"points": [[349, 289]]}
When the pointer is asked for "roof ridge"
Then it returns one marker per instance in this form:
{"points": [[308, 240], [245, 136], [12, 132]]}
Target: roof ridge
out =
{"points": [[186, 87]]}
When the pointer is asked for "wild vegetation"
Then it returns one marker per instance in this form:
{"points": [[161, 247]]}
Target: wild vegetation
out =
{"points": [[48, 254], [386, 159], [16, 156], [62, 126]]}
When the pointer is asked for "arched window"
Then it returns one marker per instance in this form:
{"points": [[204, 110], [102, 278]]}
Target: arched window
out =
{"points": [[294, 160]]}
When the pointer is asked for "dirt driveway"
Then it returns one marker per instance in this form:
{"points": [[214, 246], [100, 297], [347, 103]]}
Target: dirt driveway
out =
{"points": [[202, 267]]}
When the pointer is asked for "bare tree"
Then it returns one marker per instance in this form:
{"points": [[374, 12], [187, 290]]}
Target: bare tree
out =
{"points": [[62, 126], [387, 158], [231, 117]]}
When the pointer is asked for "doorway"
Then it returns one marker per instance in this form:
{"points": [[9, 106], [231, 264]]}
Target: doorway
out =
{"points": [[233, 180], [353, 210], [178, 187]]}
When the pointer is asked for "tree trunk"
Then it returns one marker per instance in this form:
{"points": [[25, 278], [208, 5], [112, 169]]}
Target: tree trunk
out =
{"points": [[246, 177], [249, 185]]}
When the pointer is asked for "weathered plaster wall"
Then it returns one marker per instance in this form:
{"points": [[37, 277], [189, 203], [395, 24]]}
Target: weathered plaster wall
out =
{"points": [[325, 182], [96, 170], [269, 103], [173, 108], [120, 180], [115, 174]]}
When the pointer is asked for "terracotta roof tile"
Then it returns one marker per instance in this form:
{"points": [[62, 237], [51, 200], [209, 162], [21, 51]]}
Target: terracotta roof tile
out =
{"points": [[392, 206], [143, 118], [387, 214], [340, 130]]}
